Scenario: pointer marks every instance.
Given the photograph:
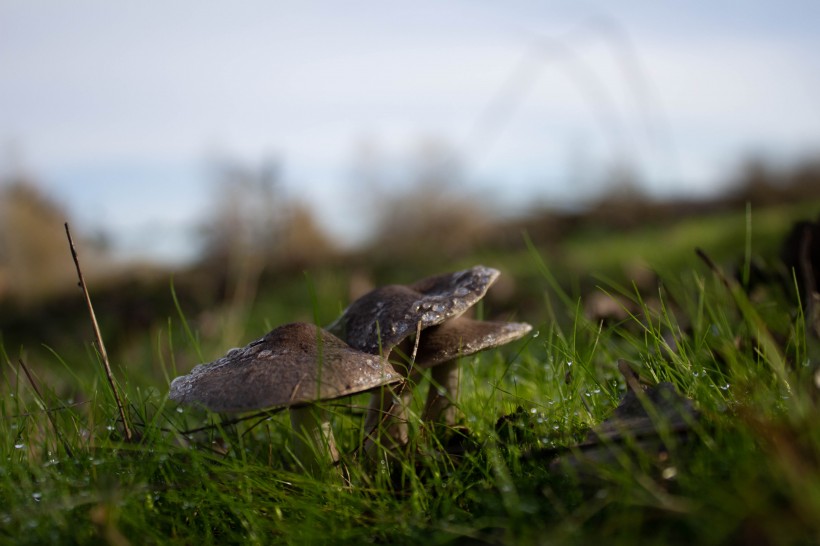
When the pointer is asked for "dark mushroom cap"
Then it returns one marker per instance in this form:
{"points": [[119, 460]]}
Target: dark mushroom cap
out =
{"points": [[463, 336], [292, 365], [382, 318]]}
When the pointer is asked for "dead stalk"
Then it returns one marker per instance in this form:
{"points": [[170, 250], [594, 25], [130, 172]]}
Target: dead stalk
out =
{"points": [[100, 345], [48, 413]]}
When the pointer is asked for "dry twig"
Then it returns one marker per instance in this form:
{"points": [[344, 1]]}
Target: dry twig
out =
{"points": [[100, 345], [48, 413]]}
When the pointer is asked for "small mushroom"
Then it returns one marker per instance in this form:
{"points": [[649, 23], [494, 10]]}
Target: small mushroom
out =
{"points": [[293, 366], [381, 319], [384, 317], [439, 348]]}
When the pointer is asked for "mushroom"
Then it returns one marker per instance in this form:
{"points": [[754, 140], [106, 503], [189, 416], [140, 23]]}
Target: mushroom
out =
{"points": [[293, 366], [439, 348], [382, 319]]}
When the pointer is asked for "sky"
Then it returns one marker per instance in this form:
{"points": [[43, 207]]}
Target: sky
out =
{"points": [[118, 111]]}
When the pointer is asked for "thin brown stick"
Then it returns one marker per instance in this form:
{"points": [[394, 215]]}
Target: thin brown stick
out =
{"points": [[713, 266], [48, 414], [386, 413], [265, 414], [100, 345]]}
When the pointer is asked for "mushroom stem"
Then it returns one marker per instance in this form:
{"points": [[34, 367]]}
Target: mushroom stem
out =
{"points": [[443, 393], [386, 421], [313, 442]]}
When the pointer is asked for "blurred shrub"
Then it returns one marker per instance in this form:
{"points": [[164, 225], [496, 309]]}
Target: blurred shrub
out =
{"points": [[253, 223], [35, 262], [424, 209]]}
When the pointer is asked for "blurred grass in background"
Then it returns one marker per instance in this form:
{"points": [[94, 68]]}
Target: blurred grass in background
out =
{"points": [[748, 473]]}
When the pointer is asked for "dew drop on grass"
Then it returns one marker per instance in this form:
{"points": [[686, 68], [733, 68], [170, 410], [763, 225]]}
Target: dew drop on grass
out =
{"points": [[37, 497], [536, 334], [533, 411], [725, 387], [19, 445], [669, 473], [180, 410]]}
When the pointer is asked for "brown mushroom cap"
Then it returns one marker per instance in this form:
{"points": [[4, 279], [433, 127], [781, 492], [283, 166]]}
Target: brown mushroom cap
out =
{"points": [[463, 336], [382, 318], [292, 365]]}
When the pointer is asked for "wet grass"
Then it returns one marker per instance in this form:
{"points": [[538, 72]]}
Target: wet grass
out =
{"points": [[747, 471]]}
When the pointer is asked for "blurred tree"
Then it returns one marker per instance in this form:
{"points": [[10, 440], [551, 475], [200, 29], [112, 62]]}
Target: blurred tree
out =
{"points": [[253, 227], [243, 218], [253, 222], [34, 256], [423, 207]]}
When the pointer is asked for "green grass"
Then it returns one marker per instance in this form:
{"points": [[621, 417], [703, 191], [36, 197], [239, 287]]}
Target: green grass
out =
{"points": [[748, 471]]}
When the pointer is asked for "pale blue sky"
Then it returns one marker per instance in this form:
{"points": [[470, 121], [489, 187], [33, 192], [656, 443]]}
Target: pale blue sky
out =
{"points": [[116, 109]]}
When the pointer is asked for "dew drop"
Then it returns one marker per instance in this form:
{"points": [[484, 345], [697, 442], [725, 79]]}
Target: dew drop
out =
{"points": [[536, 334], [430, 316], [19, 445], [37, 497], [669, 473]]}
